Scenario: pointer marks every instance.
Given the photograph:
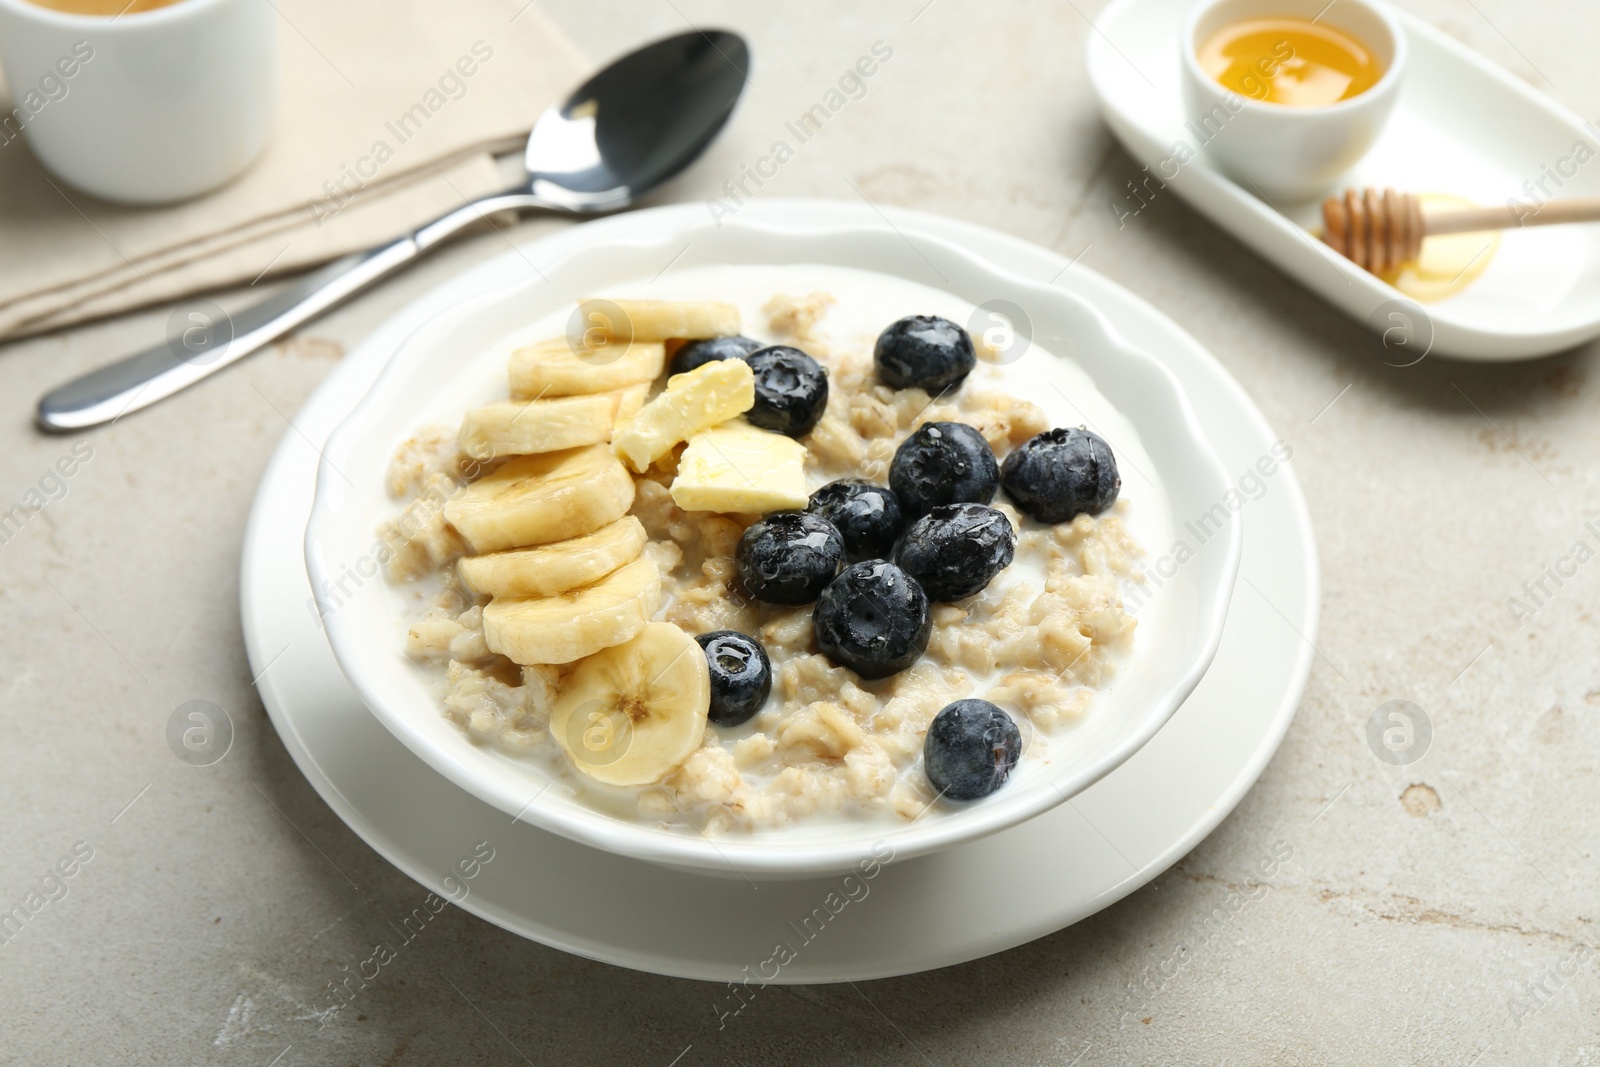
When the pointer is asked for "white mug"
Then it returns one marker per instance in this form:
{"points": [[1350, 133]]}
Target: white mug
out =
{"points": [[1290, 153], [145, 107]]}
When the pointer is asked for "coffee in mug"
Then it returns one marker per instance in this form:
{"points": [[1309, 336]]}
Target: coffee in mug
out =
{"points": [[105, 8]]}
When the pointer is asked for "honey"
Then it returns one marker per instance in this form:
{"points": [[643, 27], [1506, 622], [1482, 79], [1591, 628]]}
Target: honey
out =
{"points": [[1449, 262], [1291, 61]]}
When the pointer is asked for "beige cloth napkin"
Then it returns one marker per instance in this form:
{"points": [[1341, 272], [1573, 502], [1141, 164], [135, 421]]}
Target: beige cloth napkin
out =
{"points": [[379, 129]]}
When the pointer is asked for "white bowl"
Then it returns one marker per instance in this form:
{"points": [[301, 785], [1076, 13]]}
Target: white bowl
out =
{"points": [[1179, 627], [1290, 153]]}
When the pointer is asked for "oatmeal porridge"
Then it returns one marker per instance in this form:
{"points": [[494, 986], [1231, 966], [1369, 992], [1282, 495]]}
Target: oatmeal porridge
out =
{"points": [[904, 568]]}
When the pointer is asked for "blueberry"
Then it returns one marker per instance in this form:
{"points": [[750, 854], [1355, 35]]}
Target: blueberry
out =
{"points": [[787, 557], [699, 353], [970, 749], [956, 549], [868, 516], [1061, 473], [873, 618], [741, 676], [923, 351], [791, 390], [943, 463]]}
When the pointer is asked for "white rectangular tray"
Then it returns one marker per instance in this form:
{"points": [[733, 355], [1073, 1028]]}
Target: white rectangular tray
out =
{"points": [[1461, 125]]}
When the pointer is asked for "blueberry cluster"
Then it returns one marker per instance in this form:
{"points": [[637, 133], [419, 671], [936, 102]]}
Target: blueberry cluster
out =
{"points": [[874, 616], [873, 558]]}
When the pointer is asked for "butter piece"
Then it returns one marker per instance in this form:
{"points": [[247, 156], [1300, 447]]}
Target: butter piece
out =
{"points": [[738, 468], [708, 395]]}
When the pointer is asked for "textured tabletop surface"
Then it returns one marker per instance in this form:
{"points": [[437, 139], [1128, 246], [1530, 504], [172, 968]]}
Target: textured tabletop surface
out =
{"points": [[1437, 913]]}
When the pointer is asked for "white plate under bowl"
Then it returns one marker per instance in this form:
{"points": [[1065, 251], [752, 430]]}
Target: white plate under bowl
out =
{"points": [[1461, 125], [467, 345], [1046, 873]]}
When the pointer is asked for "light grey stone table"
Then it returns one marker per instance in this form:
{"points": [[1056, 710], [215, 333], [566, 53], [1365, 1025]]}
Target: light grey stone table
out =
{"points": [[1439, 913]]}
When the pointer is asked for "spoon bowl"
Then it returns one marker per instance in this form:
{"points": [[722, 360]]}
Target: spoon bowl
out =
{"points": [[638, 122]]}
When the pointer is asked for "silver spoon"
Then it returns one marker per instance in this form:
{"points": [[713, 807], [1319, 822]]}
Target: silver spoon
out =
{"points": [[620, 134]]}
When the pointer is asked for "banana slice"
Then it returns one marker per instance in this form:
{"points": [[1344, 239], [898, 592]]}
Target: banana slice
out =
{"points": [[710, 394], [659, 320], [550, 569], [631, 399], [553, 368], [576, 623], [632, 714], [511, 428], [533, 500]]}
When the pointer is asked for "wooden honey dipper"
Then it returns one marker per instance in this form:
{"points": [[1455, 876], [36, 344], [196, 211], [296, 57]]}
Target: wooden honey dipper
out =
{"points": [[1381, 230]]}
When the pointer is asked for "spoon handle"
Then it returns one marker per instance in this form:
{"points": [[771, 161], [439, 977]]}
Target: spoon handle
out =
{"points": [[206, 346]]}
